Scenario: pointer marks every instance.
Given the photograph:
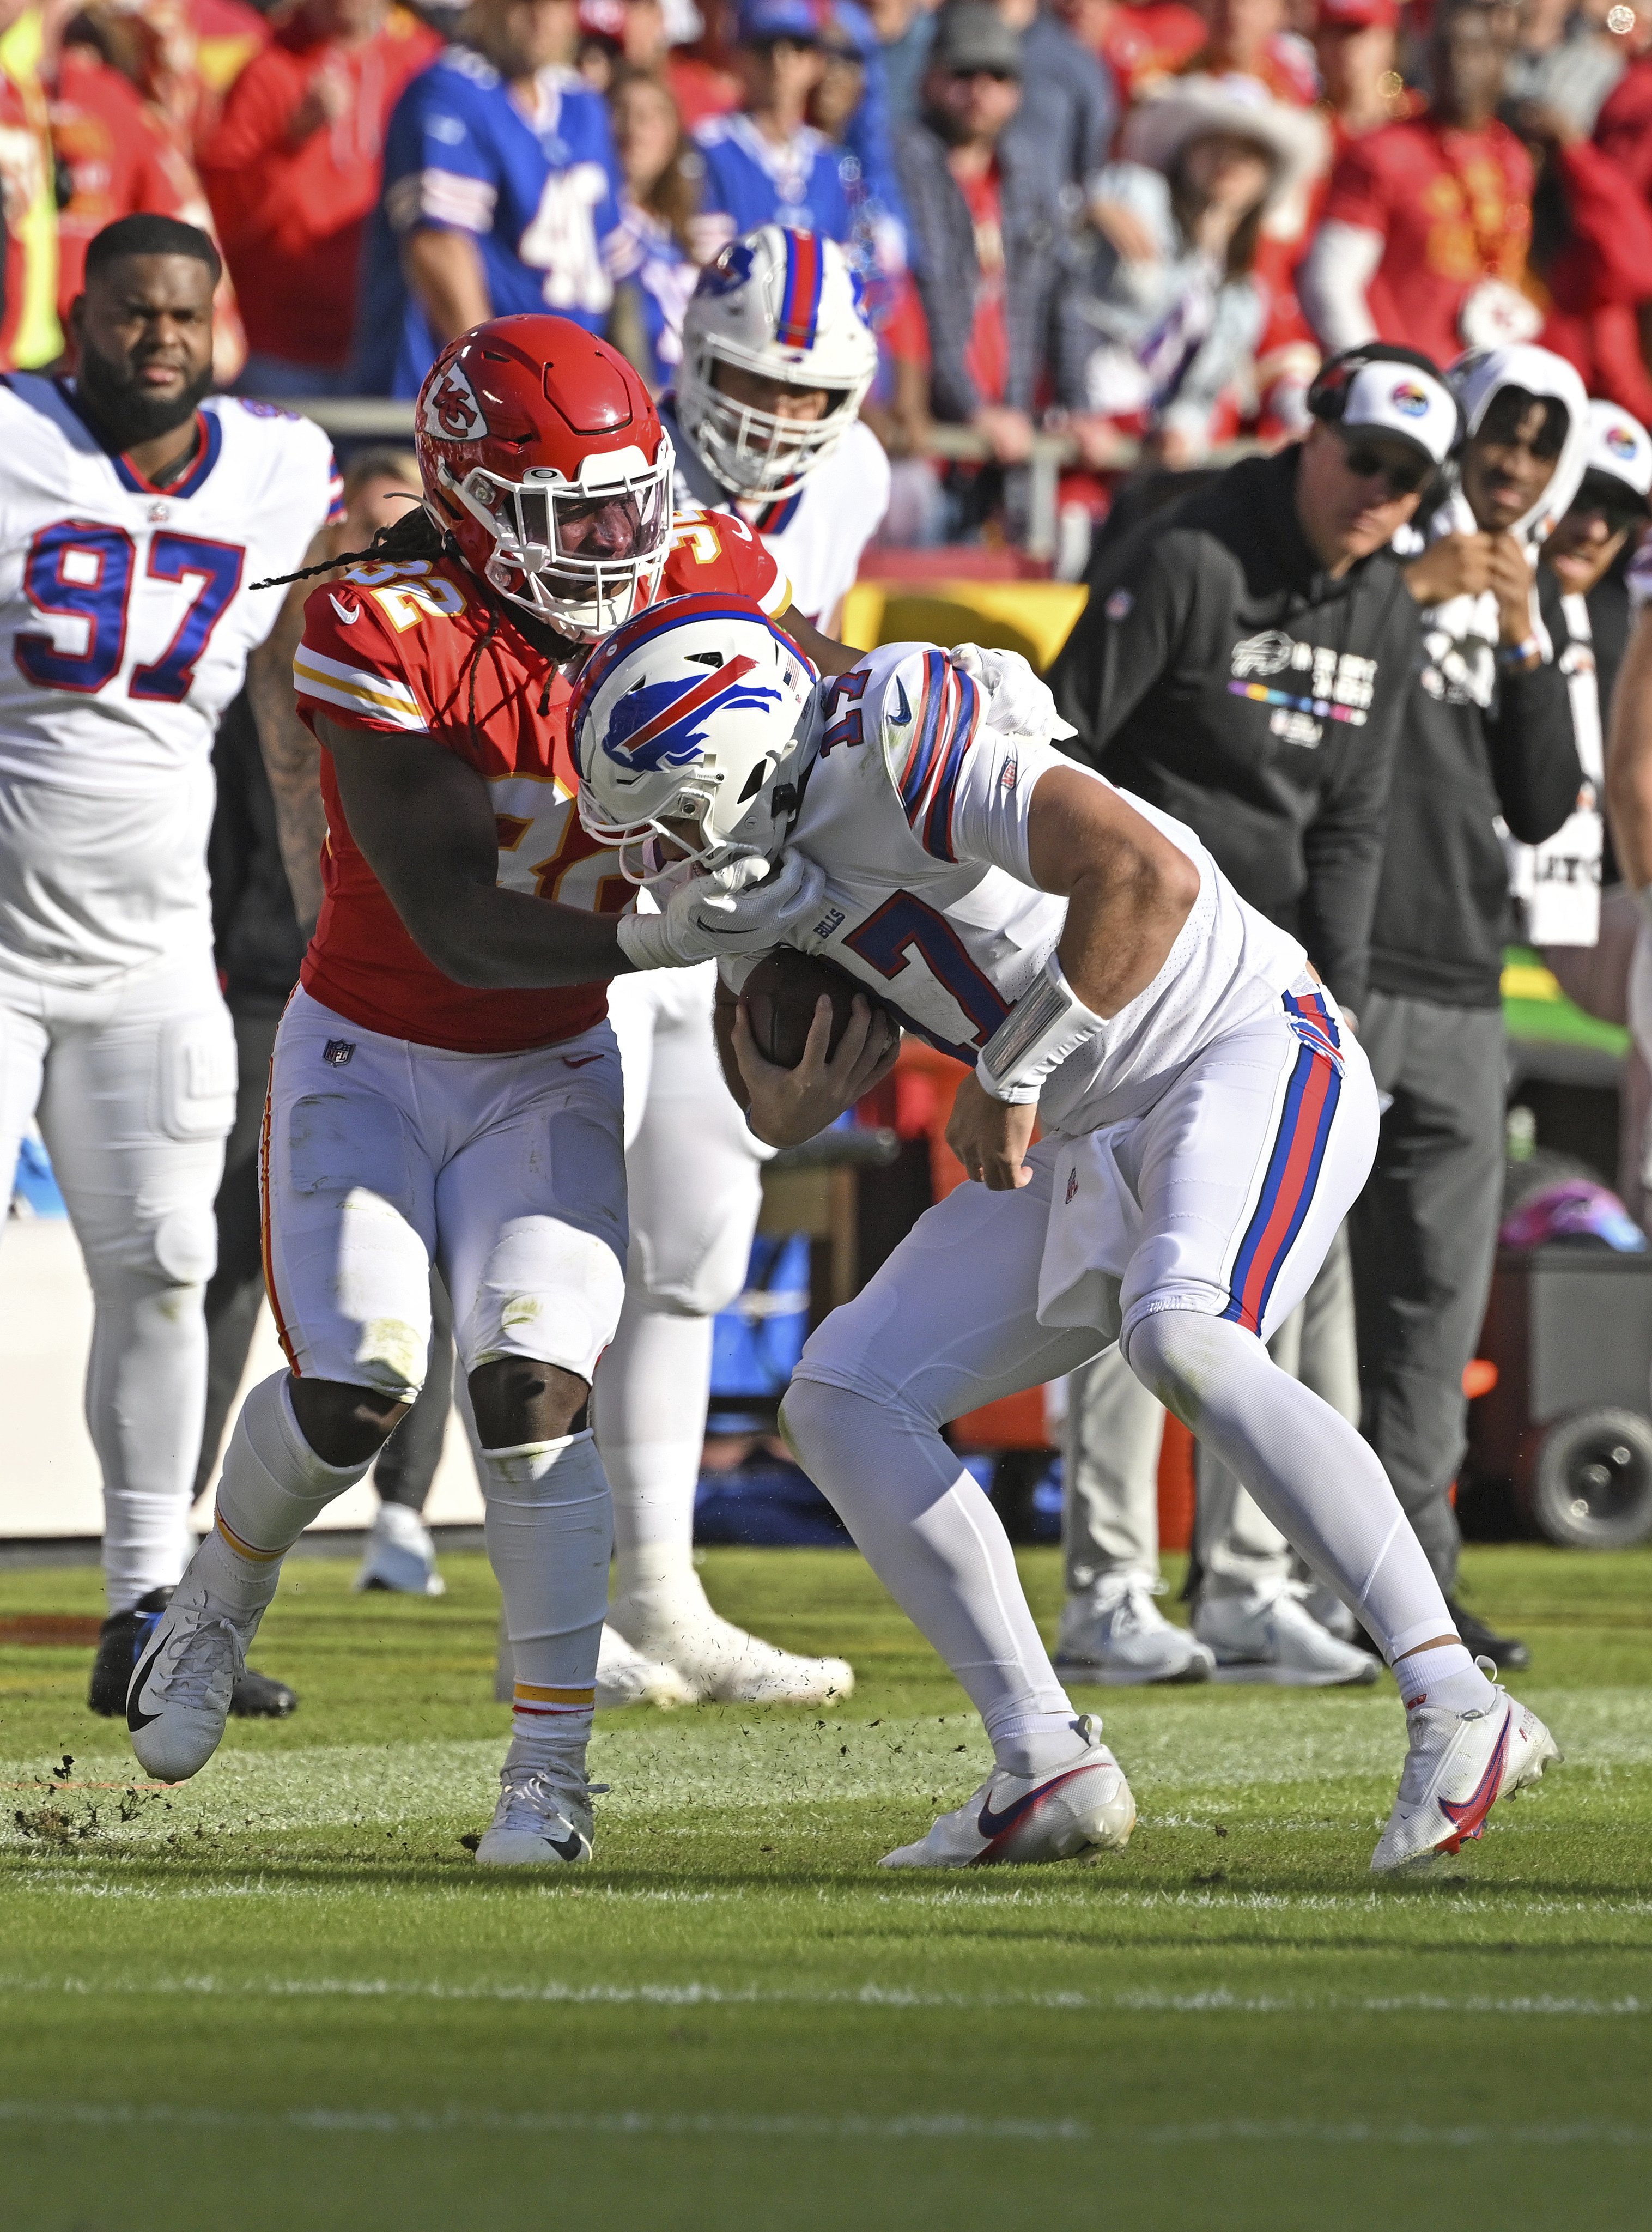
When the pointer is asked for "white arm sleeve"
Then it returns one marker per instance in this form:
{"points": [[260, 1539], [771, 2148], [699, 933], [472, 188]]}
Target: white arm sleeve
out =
{"points": [[1331, 283]]}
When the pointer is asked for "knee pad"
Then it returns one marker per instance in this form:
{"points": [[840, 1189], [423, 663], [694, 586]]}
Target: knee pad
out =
{"points": [[180, 1250]]}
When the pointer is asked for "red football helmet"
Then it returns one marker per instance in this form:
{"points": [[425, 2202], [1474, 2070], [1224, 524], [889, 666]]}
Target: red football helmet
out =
{"points": [[541, 451]]}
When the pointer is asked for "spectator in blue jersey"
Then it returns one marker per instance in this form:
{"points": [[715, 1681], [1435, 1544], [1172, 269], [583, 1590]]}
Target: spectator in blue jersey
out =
{"points": [[502, 190], [851, 105], [764, 164], [653, 271]]}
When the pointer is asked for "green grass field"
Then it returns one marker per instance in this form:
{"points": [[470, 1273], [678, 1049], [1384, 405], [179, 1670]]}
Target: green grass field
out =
{"points": [[284, 1997]]}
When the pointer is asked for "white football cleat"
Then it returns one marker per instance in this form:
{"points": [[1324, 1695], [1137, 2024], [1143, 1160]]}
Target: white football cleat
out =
{"points": [[543, 1818], [399, 1555], [1085, 1804], [1458, 1767], [625, 1677], [1272, 1637], [721, 1664], [1115, 1633], [182, 1686]]}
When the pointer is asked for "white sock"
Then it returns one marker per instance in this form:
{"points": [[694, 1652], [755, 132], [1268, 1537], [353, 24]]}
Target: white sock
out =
{"points": [[1322, 1486], [1446, 1676], [648, 1409], [146, 1398], [550, 1531], [937, 1546], [272, 1486], [1034, 1743]]}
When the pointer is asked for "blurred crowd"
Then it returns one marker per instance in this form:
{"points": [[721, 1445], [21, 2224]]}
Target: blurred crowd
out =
{"points": [[1131, 222]]}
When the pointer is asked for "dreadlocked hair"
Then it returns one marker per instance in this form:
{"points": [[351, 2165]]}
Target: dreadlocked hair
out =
{"points": [[415, 535]]}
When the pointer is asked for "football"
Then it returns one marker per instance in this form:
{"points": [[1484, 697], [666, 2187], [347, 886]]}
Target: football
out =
{"points": [[781, 994]]}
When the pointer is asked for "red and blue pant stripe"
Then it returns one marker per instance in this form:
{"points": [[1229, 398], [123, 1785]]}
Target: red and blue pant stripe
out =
{"points": [[1293, 1164]]}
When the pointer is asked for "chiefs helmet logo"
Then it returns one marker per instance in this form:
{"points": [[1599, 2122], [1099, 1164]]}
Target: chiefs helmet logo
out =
{"points": [[452, 412]]}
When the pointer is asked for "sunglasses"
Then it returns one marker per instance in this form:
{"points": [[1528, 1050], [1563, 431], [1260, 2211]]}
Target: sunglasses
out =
{"points": [[1400, 475]]}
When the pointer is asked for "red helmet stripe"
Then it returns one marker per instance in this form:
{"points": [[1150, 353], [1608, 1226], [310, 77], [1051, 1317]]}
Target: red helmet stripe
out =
{"points": [[799, 315]]}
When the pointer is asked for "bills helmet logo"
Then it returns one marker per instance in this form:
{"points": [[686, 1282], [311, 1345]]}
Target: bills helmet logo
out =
{"points": [[451, 411], [664, 724], [1411, 399], [730, 272]]}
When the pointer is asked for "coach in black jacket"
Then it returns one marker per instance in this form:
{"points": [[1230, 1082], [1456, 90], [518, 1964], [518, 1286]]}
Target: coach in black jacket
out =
{"points": [[1244, 663], [1487, 735]]}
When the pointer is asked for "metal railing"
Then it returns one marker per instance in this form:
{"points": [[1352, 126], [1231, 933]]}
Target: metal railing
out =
{"points": [[385, 419]]}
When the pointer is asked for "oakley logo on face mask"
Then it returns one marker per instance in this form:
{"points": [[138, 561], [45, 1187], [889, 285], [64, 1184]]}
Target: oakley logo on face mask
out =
{"points": [[664, 724]]}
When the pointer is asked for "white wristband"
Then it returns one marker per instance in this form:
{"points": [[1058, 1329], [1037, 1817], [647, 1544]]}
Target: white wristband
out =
{"points": [[644, 942], [1045, 1026]]}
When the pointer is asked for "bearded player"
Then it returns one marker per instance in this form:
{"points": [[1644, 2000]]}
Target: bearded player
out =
{"points": [[135, 511], [776, 358], [445, 1085], [1207, 1124]]}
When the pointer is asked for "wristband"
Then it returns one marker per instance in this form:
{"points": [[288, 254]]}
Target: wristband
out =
{"points": [[1043, 1028], [1521, 654], [642, 938]]}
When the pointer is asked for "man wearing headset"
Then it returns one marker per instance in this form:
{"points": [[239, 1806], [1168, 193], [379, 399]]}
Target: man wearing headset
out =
{"points": [[1244, 663]]}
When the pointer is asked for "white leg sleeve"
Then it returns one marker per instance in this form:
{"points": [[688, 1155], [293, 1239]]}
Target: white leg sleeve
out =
{"points": [[549, 1536], [650, 1408], [933, 1540], [1311, 1473], [272, 1486]]}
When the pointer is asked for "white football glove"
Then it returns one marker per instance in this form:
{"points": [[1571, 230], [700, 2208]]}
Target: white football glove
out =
{"points": [[1018, 705], [705, 919]]}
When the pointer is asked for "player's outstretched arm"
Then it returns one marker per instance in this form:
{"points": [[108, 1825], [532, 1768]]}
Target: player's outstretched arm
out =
{"points": [[424, 821], [1129, 891], [824, 651]]}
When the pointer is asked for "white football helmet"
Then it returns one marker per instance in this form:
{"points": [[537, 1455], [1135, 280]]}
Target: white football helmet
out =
{"points": [[784, 305], [685, 723]]}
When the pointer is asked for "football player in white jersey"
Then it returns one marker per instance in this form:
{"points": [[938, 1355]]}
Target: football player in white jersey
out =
{"points": [[776, 358], [1207, 1124], [135, 511]]}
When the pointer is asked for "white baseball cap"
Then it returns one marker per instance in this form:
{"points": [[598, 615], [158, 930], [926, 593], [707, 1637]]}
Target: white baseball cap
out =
{"points": [[1389, 396], [1620, 450]]}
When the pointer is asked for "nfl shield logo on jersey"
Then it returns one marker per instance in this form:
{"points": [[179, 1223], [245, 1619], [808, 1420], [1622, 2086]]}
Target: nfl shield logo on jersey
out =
{"points": [[338, 1052]]}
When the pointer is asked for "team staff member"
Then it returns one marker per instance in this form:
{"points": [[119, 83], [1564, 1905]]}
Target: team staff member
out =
{"points": [[1244, 667], [1488, 733]]}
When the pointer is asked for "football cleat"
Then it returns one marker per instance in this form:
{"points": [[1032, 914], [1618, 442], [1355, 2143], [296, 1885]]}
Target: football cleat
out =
{"points": [[625, 1677], [1115, 1633], [1272, 1637], [182, 1687], [721, 1664], [543, 1818], [399, 1555], [1084, 1805], [1458, 1767], [121, 1644]]}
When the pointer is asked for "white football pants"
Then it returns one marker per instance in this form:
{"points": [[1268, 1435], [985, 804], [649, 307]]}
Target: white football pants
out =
{"points": [[693, 1171], [1220, 1205], [134, 1087]]}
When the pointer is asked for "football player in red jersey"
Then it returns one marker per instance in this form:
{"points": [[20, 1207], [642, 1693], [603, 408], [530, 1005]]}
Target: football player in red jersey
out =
{"points": [[445, 1085]]}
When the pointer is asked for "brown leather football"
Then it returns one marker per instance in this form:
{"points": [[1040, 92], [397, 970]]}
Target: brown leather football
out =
{"points": [[781, 993]]}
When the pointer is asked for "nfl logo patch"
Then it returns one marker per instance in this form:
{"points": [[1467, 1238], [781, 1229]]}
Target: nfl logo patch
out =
{"points": [[338, 1052]]}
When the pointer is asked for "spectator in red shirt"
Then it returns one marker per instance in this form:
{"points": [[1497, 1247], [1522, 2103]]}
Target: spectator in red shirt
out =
{"points": [[1355, 43], [1250, 38], [1140, 40], [1426, 226], [116, 159], [294, 171], [1591, 247]]}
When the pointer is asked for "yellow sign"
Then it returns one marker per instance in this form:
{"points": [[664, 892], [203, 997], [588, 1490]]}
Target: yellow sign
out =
{"points": [[1035, 617]]}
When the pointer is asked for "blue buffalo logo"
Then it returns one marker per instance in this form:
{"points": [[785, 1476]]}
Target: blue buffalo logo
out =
{"points": [[664, 724], [730, 272]]}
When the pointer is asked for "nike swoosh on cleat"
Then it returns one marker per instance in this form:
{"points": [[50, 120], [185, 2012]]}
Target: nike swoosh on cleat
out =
{"points": [[136, 1720], [1467, 1815], [993, 1825], [567, 1847]]}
